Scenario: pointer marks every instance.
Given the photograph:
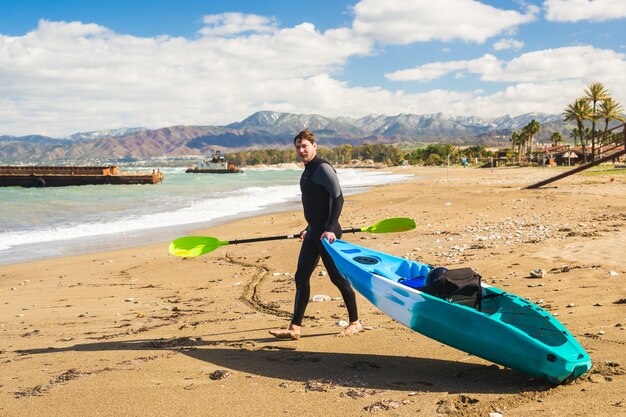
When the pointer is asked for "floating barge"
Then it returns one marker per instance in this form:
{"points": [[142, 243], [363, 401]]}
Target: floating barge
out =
{"points": [[216, 165], [56, 176]]}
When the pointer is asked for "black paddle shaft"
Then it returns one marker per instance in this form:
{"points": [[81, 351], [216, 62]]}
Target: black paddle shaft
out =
{"points": [[260, 239], [265, 239]]}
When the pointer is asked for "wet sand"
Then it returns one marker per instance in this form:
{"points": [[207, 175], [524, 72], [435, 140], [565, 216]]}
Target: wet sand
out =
{"points": [[138, 332]]}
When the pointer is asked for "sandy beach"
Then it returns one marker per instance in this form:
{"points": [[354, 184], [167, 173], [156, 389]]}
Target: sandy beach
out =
{"points": [[139, 332]]}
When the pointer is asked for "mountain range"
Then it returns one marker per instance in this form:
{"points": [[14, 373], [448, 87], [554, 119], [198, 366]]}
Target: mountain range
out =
{"points": [[266, 129]]}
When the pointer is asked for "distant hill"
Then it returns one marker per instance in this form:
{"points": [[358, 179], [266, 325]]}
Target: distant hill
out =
{"points": [[109, 133], [267, 129]]}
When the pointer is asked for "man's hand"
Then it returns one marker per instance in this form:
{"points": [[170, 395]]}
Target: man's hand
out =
{"points": [[330, 236], [303, 234]]}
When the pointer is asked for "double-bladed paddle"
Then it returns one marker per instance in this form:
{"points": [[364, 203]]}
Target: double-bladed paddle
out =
{"points": [[190, 246]]}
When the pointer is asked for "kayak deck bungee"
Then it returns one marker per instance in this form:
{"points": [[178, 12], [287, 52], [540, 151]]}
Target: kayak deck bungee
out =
{"points": [[507, 330]]}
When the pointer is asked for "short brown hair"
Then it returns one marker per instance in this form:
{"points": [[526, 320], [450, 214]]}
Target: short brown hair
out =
{"points": [[304, 135]]}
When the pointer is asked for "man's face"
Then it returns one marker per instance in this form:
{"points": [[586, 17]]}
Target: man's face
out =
{"points": [[305, 150]]}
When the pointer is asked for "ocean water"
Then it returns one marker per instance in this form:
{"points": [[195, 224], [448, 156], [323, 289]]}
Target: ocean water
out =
{"points": [[40, 223]]}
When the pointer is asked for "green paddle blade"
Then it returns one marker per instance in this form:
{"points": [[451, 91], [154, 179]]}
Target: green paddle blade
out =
{"points": [[393, 225], [190, 246]]}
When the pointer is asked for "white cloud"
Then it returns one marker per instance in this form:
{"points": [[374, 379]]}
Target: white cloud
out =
{"points": [[541, 81], [585, 63], [63, 77], [405, 22], [66, 77], [548, 97], [508, 43], [434, 70], [235, 23], [576, 10], [574, 62]]}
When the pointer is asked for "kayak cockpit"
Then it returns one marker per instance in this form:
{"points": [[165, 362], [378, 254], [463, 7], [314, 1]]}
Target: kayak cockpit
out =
{"points": [[411, 274]]}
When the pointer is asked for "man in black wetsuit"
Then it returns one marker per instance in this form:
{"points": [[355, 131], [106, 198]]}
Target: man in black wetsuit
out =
{"points": [[322, 201]]}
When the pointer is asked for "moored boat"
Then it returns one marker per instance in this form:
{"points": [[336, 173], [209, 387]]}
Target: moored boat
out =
{"points": [[505, 329], [216, 165], [59, 176]]}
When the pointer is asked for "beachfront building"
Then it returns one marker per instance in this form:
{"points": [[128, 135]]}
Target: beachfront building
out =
{"points": [[568, 155]]}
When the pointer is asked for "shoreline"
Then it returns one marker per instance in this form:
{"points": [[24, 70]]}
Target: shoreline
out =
{"points": [[48, 249], [166, 336], [133, 239]]}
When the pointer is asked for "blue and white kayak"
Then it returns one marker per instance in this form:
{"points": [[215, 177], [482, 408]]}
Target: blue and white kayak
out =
{"points": [[507, 330]]}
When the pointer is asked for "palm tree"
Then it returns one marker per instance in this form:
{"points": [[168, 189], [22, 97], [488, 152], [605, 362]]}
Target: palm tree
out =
{"points": [[595, 93], [579, 111], [518, 140], [575, 135], [556, 138], [515, 140], [521, 144], [531, 129], [524, 139], [609, 109]]}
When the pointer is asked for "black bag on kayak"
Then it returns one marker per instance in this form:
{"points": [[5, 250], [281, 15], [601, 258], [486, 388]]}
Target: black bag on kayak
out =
{"points": [[460, 286]]}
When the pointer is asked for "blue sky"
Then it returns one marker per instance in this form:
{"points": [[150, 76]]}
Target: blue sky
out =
{"points": [[69, 66]]}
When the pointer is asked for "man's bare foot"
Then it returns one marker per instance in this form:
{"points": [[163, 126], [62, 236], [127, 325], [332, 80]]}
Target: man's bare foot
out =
{"points": [[292, 332], [351, 329]]}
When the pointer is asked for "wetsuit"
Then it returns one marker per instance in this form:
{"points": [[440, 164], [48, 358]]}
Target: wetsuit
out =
{"points": [[322, 201]]}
